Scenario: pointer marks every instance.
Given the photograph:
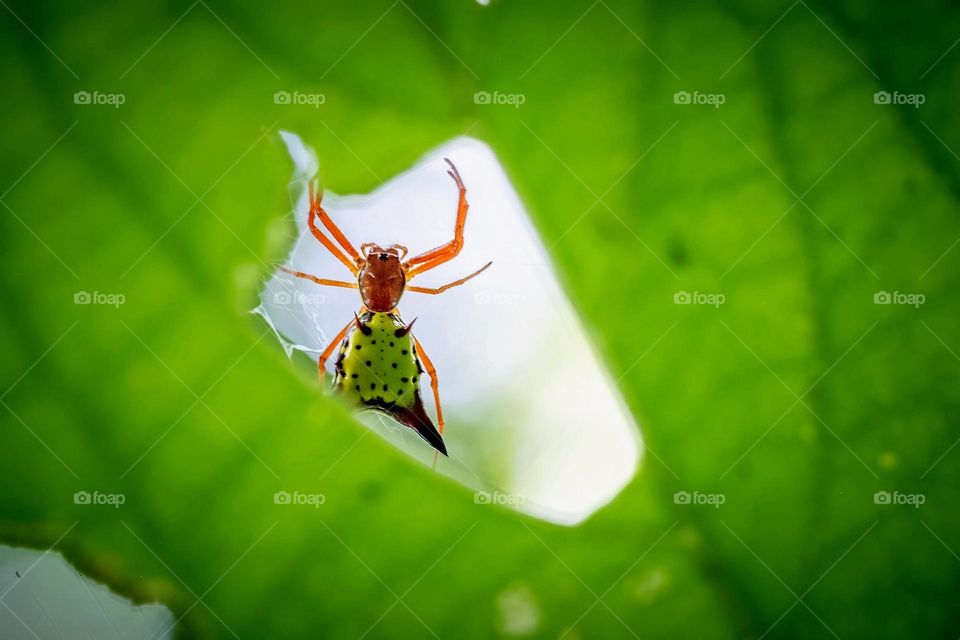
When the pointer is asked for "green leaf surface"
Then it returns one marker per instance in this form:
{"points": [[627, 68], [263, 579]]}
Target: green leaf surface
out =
{"points": [[798, 199]]}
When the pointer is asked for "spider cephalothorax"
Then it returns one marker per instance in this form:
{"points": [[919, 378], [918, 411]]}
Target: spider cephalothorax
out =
{"points": [[382, 277]]}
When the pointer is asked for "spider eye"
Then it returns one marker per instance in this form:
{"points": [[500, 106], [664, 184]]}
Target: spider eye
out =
{"points": [[384, 257]]}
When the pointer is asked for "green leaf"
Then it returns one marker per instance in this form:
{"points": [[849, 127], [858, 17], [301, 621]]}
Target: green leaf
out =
{"points": [[797, 399]]}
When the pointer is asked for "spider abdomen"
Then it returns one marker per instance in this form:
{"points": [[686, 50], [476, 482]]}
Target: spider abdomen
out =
{"points": [[378, 368]]}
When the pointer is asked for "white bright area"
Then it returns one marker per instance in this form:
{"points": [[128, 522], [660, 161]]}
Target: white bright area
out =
{"points": [[533, 418]]}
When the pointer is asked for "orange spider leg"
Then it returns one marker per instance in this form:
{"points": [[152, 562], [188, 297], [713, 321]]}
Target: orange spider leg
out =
{"points": [[330, 347], [426, 266], [317, 210], [335, 230], [432, 372], [312, 278], [448, 251], [450, 285]]}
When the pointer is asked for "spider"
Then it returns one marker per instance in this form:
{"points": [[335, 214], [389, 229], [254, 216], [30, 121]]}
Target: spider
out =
{"points": [[380, 361]]}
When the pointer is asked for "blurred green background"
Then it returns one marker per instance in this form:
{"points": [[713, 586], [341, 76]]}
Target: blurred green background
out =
{"points": [[798, 199]]}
